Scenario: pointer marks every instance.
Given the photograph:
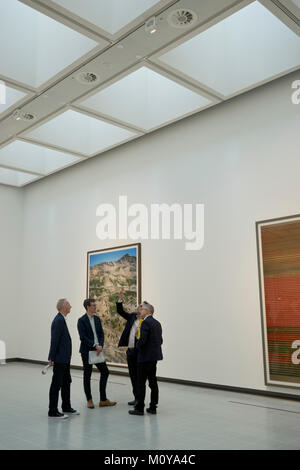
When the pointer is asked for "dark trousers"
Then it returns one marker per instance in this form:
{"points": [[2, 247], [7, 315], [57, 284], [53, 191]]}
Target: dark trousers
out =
{"points": [[87, 372], [61, 380], [147, 370], [131, 355]]}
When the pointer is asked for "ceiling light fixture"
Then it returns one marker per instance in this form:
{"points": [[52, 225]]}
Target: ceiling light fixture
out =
{"points": [[151, 25], [20, 115], [17, 115]]}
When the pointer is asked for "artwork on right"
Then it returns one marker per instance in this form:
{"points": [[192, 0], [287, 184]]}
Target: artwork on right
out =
{"points": [[278, 242]]}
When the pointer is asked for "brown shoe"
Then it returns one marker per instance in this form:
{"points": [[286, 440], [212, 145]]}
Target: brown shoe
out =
{"points": [[107, 403], [90, 404]]}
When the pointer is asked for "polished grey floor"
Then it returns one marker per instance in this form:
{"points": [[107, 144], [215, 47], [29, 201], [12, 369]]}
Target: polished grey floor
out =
{"points": [[188, 418]]}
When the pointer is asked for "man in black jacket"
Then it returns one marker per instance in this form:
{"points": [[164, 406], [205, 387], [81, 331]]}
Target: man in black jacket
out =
{"points": [[92, 339], [60, 358], [128, 338], [149, 352]]}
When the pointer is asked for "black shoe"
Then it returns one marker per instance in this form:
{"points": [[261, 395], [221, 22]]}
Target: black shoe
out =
{"points": [[152, 411], [71, 411], [132, 403], [136, 412], [57, 414]]}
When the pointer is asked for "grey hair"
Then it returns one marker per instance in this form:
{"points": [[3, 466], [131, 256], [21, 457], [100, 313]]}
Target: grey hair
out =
{"points": [[147, 306], [60, 304]]}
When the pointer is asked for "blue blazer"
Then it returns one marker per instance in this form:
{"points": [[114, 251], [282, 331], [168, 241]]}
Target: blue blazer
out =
{"points": [[149, 344], [61, 343], [86, 333]]}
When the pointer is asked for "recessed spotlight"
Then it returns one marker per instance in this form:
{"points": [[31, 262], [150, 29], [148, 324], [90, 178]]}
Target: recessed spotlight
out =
{"points": [[151, 25], [87, 78], [16, 115], [20, 115]]}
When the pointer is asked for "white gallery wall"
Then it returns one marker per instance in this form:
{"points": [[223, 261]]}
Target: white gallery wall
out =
{"points": [[11, 223], [241, 160]]}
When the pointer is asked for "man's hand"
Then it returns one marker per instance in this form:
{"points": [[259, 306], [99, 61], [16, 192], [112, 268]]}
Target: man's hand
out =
{"points": [[99, 349], [51, 363], [121, 294]]}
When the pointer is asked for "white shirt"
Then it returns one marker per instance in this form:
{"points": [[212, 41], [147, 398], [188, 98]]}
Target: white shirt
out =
{"points": [[92, 321], [131, 341]]}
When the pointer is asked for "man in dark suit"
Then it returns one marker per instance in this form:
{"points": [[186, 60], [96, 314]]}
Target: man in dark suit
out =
{"points": [[60, 358], [149, 352], [92, 339], [128, 338]]}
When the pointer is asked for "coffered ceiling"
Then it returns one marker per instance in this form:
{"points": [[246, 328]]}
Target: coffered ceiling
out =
{"points": [[79, 77]]}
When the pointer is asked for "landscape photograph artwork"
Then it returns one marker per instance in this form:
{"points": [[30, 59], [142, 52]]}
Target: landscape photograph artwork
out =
{"points": [[279, 265], [109, 272]]}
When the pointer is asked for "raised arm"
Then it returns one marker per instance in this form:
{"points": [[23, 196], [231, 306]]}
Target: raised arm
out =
{"points": [[119, 305]]}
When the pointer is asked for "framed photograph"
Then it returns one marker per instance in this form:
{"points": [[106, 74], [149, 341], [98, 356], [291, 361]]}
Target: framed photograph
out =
{"points": [[109, 271], [278, 242]]}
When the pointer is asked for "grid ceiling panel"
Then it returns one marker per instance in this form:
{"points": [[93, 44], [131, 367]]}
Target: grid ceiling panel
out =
{"points": [[80, 133], [246, 48]]}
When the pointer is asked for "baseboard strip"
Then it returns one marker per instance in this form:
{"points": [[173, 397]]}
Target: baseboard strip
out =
{"points": [[228, 388]]}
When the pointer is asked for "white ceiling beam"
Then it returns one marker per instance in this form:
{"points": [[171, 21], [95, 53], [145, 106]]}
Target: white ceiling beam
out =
{"points": [[21, 170], [30, 140]]}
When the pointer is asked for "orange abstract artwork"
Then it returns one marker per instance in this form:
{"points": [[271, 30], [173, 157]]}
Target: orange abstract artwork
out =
{"points": [[279, 244]]}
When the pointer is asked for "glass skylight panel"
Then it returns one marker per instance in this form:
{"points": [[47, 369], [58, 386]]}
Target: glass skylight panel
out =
{"points": [[145, 99], [9, 96], [15, 178], [248, 47], [34, 47], [78, 132], [109, 15], [30, 157]]}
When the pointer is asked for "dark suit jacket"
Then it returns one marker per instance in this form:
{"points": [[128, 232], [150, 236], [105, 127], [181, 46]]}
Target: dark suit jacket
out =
{"points": [[149, 344], [86, 333], [61, 343], [130, 319]]}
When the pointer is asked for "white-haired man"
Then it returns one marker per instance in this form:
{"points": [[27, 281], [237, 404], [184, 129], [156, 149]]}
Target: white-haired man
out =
{"points": [[60, 358]]}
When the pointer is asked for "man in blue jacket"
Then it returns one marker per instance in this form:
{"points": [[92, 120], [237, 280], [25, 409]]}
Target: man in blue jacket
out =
{"points": [[60, 358], [92, 339], [149, 352]]}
